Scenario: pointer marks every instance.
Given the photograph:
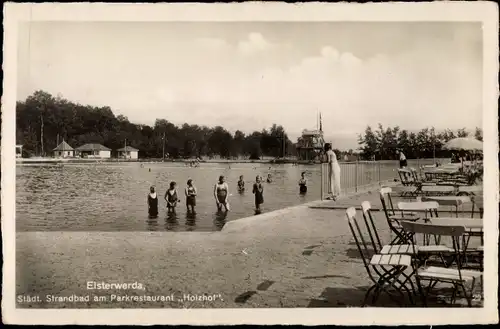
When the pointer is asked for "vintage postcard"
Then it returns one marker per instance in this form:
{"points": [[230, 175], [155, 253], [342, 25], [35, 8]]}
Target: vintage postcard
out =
{"points": [[250, 163]]}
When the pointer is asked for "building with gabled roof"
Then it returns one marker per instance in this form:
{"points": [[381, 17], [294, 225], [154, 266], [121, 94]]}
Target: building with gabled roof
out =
{"points": [[64, 150], [128, 152], [93, 150]]}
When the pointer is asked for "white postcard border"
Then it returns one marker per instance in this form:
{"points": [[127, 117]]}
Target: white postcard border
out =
{"points": [[485, 12]]}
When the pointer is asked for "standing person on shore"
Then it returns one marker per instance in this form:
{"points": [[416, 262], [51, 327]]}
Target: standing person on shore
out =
{"points": [[190, 193], [333, 172], [402, 160], [303, 183], [152, 203], [241, 185], [171, 197], [221, 193], [258, 190]]}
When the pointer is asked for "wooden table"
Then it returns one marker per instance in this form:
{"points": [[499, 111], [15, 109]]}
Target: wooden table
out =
{"points": [[449, 200], [471, 224], [446, 198]]}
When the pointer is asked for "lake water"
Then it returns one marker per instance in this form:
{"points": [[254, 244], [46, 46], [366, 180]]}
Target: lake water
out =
{"points": [[113, 196]]}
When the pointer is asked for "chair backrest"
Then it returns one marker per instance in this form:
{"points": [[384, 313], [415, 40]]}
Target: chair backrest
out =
{"points": [[358, 237], [414, 173], [386, 200], [455, 232], [428, 228], [370, 225], [406, 176]]}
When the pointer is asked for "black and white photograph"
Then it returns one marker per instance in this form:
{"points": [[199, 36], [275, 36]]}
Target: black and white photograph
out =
{"points": [[250, 162]]}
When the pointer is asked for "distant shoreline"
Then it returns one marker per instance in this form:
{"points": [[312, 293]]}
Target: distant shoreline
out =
{"points": [[153, 160], [114, 160]]}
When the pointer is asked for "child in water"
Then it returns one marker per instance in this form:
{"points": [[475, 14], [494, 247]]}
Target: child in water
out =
{"points": [[171, 197], [258, 190], [303, 183], [190, 192], [152, 203], [269, 178], [241, 184]]}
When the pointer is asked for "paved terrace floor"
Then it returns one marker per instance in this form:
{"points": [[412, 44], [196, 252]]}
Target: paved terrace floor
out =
{"points": [[295, 257]]}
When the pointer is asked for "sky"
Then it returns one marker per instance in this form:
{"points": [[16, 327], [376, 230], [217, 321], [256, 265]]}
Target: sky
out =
{"points": [[249, 75]]}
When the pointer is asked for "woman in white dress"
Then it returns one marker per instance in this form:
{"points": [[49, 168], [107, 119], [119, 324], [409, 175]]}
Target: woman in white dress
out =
{"points": [[333, 172]]}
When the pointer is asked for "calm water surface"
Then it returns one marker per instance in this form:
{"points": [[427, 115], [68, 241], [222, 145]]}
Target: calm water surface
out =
{"points": [[113, 197]]}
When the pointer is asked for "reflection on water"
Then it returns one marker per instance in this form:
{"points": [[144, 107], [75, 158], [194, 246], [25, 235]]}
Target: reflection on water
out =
{"points": [[220, 218], [190, 221], [172, 221], [152, 224], [113, 197]]}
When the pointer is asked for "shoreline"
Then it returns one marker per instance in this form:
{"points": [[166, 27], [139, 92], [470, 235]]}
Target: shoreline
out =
{"points": [[114, 160], [222, 161]]}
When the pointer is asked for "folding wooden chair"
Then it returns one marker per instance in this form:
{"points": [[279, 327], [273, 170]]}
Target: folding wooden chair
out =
{"points": [[406, 191], [406, 176], [430, 210], [434, 274], [391, 217], [378, 247], [383, 270]]}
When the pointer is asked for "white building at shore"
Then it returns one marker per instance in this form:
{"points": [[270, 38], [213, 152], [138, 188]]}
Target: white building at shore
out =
{"points": [[64, 150], [128, 152], [93, 151]]}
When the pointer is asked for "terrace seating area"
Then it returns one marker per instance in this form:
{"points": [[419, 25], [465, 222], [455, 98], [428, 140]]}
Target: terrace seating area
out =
{"points": [[436, 243], [450, 179]]}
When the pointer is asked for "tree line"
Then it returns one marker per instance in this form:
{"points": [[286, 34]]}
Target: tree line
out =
{"points": [[383, 143], [43, 119]]}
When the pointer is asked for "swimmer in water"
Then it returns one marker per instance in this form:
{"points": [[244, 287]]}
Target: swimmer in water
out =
{"points": [[241, 184], [190, 193], [258, 191], [269, 178], [152, 203], [171, 197], [221, 193], [303, 183]]}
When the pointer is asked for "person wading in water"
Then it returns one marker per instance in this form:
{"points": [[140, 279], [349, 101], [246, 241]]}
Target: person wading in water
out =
{"points": [[241, 185], [171, 197], [258, 190], [152, 203], [190, 193], [303, 183], [221, 193]]}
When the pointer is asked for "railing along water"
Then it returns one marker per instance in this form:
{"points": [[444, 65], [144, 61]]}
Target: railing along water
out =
{"points": [[360, 176]]}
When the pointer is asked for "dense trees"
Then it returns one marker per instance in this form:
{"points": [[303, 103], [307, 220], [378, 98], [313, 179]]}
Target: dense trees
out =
{"points": [[79, 124], [42, 119], [426, 143]]}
